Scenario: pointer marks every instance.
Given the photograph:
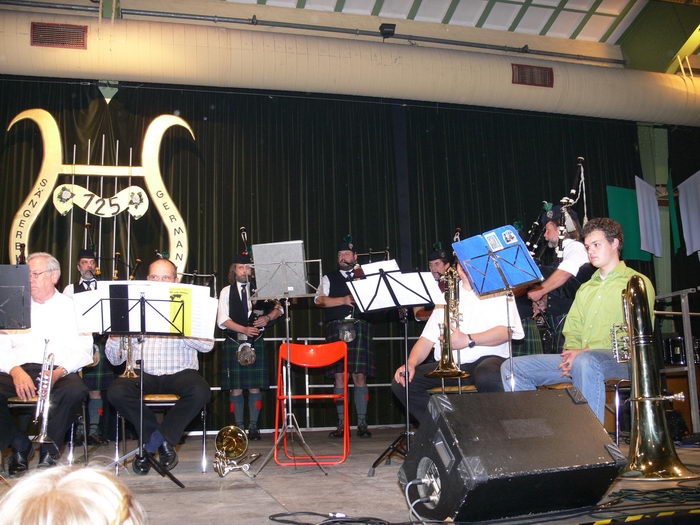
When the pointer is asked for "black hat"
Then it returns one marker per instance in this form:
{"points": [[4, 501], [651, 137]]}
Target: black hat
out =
{"points": [[438, 253], [85, 253], [244, 258], [346, 244], [555, 215]]}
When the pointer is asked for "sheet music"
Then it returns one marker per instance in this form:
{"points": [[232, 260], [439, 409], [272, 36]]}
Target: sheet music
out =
{"points": [[170, 308], [373, 268], [409, 289]]}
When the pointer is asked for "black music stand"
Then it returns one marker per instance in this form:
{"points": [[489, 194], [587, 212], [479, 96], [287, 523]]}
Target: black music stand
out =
{"points": [[280, 273], [15, 297], [496, 262], [387, 290], [120, 310]]}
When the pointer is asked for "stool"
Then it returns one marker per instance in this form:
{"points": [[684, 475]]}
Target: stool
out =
{"points": [[17, 402], [453, 389], [615, 385], [155, 401]]}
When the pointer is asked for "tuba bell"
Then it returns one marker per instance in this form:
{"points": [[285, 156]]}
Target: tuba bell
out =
{"points": [[652, 456], [231, 446]]}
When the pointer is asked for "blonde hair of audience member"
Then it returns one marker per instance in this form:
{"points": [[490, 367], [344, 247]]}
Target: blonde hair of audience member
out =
{"points": [[70, 496]]}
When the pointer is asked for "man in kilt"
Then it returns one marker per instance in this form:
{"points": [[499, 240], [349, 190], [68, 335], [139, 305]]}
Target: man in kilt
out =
{"points": [[243, 323], [543, 310], [340, 316], [97, 378]]}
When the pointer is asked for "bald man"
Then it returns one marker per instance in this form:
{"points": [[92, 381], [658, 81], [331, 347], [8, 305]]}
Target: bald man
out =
{"points": [[170, 367]]}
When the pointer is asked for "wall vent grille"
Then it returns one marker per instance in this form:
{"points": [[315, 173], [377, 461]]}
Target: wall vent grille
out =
{"points": [[59, 35], [533, 75]]}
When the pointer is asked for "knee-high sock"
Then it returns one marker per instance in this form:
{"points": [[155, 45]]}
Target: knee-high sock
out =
{"points": [[94, 410], [361, 398], [254, 406], [339, 404], [236, 408]]}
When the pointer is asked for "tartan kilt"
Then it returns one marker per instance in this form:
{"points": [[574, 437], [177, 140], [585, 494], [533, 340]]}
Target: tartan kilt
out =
{"points": [[99, 377], [532, 342], [233, 375], [360, 355]]}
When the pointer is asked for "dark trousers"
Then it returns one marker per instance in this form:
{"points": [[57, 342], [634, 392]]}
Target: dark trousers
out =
{"points": [[485, 375], [66, 395], [194, 392]]}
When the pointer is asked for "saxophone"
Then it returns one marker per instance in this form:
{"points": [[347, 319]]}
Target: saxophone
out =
{"points": [[652, 455], [446, 367]]}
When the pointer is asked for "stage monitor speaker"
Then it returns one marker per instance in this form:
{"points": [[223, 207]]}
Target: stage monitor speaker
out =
{"points": [[496, 455]]}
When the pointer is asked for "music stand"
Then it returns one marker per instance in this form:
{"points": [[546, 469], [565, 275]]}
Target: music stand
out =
{"points": [[117, 316], [496, 262], [388, 288], [15, 297], [280, 274]]}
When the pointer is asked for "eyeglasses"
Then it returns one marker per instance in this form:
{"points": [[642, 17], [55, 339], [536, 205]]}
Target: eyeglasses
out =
{"points": [[37, 274], [163, 278]]}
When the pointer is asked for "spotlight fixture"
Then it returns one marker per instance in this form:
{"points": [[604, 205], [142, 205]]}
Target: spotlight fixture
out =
{"points": [[387, 30]]}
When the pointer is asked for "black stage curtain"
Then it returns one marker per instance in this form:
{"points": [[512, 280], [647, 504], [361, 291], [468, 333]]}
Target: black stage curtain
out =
{"points": [[394, 174]]}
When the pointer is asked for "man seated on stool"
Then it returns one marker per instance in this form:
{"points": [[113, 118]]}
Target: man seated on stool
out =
{"points": [[21, 356], [587, 360], [481, 341], [171, 366]]}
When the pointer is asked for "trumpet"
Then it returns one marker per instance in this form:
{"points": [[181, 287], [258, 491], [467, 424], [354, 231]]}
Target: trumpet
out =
{"points": [[231, 446], [43, 395], [126, 346], [446, 367]]}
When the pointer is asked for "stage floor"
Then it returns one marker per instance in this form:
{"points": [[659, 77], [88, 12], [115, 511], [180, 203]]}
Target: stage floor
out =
{"points": [[239, 499]]}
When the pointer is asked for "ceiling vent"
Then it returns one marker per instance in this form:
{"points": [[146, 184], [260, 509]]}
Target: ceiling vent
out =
{"points": [[533, 75], [59, 35]]}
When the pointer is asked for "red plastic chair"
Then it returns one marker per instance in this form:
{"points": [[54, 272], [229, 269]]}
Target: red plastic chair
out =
{"points": [[311, 356]]}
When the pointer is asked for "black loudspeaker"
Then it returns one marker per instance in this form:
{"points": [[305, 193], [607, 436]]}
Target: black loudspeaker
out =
{"points": [[496, 455]]}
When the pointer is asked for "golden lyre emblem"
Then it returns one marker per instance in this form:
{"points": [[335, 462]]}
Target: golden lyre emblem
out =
{"points": [[132, 198]]}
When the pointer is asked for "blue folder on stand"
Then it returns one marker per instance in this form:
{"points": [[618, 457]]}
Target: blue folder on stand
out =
{"points": [[497, 261]]}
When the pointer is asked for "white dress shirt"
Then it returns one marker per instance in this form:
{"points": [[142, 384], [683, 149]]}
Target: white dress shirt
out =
{"points": [[68, 290], [477, 315], [222, 313], [53, 320], [573, 256]]}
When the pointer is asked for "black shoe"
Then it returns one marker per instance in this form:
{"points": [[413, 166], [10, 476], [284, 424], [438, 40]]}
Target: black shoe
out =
{"points": [[167, 455], [254, 434], [338, 433], [47, 457], [362, 431], [96, 440], [19, 463], [141, 464]]}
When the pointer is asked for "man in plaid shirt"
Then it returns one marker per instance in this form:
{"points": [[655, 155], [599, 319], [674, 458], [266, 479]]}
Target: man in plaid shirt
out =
{"points": [[171, 366]]}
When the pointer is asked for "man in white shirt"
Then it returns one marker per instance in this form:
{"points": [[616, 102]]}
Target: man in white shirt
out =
{"points": [[480, 345], [97, 378], [170, 367], [53, 331], [549, 302]]}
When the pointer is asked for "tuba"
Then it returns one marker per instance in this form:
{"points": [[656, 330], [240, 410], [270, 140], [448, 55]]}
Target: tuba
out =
{"points": [[652, 455], [231, 446], [446, 367]]}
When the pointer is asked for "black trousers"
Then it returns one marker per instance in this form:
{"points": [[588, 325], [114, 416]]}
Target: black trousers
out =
{"points": [[194, 392], [66, 395], [485, 375]]}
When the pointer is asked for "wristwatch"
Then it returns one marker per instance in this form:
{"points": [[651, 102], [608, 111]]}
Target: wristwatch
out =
{"points": [[472, 343]]}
